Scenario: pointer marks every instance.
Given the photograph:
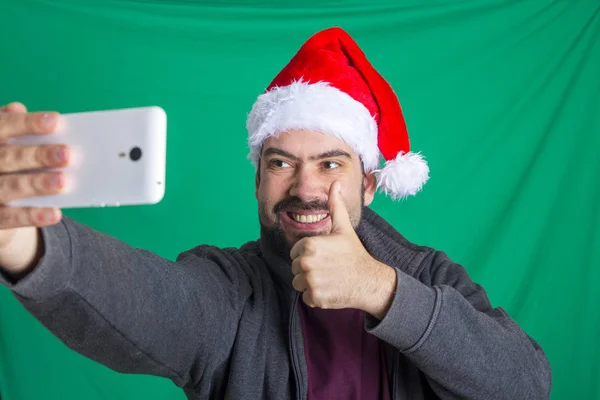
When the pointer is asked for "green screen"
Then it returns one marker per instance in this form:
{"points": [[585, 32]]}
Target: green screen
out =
{"points": [[501, 97]]}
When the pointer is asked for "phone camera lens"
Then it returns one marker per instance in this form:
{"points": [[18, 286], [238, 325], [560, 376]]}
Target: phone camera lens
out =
{"points": [[135, 154]]}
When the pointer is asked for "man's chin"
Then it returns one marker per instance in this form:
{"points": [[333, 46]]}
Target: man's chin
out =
{"points": [[293, 238], [282, 241]]}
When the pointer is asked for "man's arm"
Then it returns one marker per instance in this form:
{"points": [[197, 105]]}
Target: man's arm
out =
{"points": [[132, 310], [466, 348]]}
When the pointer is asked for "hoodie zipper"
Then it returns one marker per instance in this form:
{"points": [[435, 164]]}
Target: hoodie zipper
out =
{"points": [[293, 351], [395, 375]]}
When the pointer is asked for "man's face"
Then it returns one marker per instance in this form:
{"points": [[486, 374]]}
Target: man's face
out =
{"points": [[292, 186]]}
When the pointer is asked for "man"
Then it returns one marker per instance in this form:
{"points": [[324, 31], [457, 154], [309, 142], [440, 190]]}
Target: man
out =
{"points": [[330, 303]]}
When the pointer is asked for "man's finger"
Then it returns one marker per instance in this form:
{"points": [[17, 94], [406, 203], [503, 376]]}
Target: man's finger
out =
{"points": [[296, 268], [299, 283], [340, 219], [297, 249], [308, 299], [21, 186], [15, 107], [18, 123], [24, 157], [13, 217], [302, 264]]}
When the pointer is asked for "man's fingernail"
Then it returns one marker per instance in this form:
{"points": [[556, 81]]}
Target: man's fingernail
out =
{"points": [[59, 154], [57, 181], [45, 217], [48, 120], [49, 215], [41, 217]]}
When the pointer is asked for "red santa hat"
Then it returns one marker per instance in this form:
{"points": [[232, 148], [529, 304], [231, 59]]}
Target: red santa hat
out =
{"points": [[329, 86]]}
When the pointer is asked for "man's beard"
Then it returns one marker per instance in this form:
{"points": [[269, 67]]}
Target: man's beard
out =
{"points": [[275, 237]]}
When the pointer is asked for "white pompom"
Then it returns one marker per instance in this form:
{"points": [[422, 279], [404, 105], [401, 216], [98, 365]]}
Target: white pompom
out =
{"points": [[403, 176]]}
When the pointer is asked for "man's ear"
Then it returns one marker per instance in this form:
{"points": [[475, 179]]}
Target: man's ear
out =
{"points": [[370, 183]]}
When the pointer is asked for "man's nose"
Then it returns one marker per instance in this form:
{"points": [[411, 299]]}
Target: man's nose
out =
{"points": [[306, 185]]}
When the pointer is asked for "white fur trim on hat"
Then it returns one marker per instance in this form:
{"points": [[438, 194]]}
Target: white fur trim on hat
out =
{"points": [[403, 176], [317, 107]]}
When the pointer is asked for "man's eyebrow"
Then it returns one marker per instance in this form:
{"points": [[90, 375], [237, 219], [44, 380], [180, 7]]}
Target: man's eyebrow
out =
{"points": [[275, 151], [328, 154]]}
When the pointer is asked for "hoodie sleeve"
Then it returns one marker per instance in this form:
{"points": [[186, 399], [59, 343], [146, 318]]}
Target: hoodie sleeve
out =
{"points": [[131, 310], [444, 323]]}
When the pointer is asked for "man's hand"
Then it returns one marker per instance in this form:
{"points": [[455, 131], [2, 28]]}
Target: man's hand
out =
{"points": [[19, 178], [336, 271]]}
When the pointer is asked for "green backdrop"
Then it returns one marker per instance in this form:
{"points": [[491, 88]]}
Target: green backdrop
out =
{"points": [[502, 97]]}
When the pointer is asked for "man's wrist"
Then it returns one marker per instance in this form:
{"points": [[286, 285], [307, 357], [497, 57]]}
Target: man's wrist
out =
{"points": [[22, 254], [379, 290]]}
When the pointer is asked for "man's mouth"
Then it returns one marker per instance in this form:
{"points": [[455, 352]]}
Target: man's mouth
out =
{"points": [[307, 218]]}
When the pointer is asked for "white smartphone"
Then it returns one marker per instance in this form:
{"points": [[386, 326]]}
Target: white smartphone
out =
{"points": [[119, 158]]}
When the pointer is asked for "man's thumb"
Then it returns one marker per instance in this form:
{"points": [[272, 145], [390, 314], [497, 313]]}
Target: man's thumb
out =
{"points": [[340, 219]]}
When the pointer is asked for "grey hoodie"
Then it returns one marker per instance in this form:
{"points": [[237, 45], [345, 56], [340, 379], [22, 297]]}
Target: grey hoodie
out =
{"points": [[224, 323]]}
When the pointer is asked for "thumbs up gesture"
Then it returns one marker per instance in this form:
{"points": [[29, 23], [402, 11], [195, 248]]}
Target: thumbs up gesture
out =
{"points": [[335, 271]]}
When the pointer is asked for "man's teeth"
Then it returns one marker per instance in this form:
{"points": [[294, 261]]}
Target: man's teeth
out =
{"points": [[308, 219]]}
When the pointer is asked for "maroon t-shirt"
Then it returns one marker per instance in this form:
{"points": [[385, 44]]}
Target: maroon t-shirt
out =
{"points": [[342, 359]]}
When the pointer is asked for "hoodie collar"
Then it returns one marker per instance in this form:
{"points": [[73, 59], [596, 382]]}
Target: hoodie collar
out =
{"points": [[380, 239]]}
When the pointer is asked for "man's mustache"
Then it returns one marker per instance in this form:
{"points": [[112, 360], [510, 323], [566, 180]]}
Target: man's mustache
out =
{"points": [[298, 204]]}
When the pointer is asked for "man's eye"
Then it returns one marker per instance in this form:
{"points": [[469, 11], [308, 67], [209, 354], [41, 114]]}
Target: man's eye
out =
{"points": [[330, 165], [278, 164]]}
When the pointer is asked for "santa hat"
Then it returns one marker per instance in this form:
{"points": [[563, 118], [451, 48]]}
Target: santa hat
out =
{"points": [[329, 86]]}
